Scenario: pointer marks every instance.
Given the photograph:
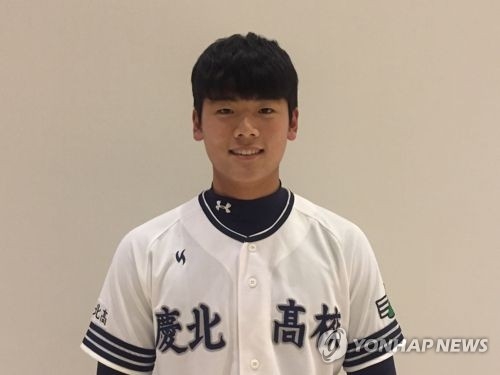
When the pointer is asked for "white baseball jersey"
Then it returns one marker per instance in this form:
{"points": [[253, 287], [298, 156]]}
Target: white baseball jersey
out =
{"points": [[186, 294]]}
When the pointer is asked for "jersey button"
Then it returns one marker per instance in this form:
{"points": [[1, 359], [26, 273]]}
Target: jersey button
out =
{"points": [[252, 282], [252, 247], [254, 364]]}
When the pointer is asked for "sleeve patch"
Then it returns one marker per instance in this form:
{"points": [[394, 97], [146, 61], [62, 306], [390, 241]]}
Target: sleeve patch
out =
{"points": [[384, 308]]}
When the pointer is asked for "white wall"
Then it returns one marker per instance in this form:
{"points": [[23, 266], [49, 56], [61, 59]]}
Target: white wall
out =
{"points": [[399, 130]]}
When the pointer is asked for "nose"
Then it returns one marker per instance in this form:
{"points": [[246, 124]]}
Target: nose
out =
{"points": [[245, 129]]}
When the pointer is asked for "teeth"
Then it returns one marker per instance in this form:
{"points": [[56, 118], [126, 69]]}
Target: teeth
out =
{"points": [[246, 152]]}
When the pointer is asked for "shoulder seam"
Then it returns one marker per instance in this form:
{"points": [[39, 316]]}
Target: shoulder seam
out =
{"points": [[320, 222], [157, 236]]}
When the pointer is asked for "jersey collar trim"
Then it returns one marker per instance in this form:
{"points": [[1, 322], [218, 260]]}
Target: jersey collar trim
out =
{"points": [[203, 201]]}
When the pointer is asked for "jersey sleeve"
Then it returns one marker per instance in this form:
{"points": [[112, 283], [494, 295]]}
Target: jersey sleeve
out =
{"points": [[121, 333], [373, 331]]}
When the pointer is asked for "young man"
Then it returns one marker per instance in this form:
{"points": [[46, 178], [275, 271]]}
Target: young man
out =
{"points": [[247, 277]]}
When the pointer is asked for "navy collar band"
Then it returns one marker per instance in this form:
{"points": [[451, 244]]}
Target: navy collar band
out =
{"points": [[247, 220]]}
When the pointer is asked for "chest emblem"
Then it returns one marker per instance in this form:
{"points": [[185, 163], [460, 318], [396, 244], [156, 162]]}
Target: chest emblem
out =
{"points": [[225, 207]]}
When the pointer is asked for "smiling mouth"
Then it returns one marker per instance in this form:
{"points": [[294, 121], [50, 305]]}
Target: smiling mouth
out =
{"points": [[246, 152]]}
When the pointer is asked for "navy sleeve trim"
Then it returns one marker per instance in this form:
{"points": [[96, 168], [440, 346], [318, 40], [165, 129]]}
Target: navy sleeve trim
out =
{"points": [[119, 352], [374, 346]]}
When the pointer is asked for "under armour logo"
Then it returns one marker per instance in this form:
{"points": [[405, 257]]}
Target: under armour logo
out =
{"points": [[226, 207], [180, 257]]}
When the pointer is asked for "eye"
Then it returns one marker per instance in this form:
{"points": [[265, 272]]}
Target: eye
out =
{"points": [[224, 111], [266, 110]]}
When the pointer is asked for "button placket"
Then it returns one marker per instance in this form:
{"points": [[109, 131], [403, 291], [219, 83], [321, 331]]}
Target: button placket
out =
{"points": [[252, 282], [254, 364], [252, 290]]}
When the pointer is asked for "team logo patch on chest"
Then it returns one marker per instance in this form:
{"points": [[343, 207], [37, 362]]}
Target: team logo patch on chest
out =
{"points": [[168, 325], [289, 329]]}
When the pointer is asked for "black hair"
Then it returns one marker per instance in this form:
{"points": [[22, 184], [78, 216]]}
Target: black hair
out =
{"points": [[245, 67]]}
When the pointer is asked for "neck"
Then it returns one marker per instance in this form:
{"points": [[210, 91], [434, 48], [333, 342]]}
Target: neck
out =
{"points": [[247, 190]]}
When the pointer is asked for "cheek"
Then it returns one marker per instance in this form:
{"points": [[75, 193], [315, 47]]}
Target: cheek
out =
{"points": [[216, 143], [280, 135]]}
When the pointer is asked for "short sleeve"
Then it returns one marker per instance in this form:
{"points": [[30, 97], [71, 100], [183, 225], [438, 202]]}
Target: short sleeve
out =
{"points": [[121, 333], [373, 330]]}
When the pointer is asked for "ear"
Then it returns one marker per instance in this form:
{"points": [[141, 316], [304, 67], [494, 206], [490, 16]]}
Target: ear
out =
{"points": [[197, 131], [294, 125]]}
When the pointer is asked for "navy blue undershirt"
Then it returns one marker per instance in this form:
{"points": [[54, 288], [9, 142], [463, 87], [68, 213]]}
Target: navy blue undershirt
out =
{"points": [[246, 220]]}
